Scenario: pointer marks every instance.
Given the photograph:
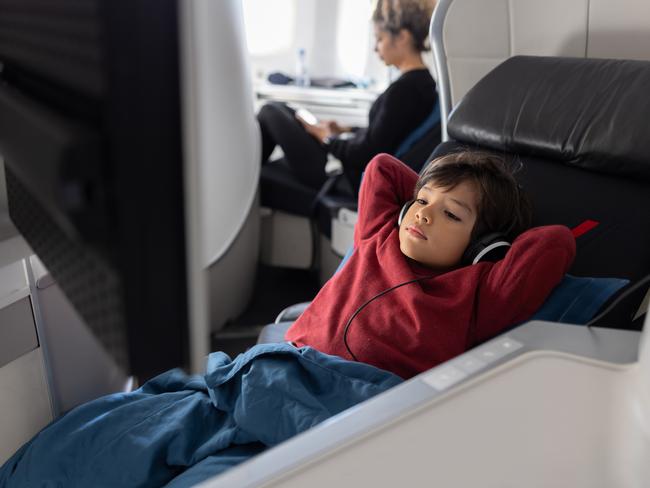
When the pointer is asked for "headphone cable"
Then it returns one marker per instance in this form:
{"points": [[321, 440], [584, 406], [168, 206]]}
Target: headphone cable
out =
{"points": [[358, 310]]}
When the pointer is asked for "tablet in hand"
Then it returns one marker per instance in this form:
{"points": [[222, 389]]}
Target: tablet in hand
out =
{"points": [[306, 116]]}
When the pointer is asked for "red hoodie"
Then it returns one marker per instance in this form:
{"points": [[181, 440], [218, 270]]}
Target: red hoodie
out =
{"points": [[419, 325]]}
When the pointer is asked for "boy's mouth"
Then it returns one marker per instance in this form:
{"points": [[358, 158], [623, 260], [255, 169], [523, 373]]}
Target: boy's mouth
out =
{"points": [[416, 232]]}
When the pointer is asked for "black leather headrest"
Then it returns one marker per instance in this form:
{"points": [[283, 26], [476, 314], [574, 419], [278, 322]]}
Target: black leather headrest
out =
{"points": [[591, 113]]}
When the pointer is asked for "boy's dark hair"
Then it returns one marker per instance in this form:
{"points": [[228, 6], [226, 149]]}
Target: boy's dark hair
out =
{"points": [[502, 205]]}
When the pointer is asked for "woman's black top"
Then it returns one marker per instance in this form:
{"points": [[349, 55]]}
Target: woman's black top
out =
{"points": [[397, 112]]}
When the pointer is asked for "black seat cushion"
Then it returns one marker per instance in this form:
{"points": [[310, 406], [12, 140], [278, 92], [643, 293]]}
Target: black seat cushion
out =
{"points": [[588, 113]]}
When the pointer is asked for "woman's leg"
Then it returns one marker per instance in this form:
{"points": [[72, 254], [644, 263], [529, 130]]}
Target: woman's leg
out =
{"points": [[304, 154]]}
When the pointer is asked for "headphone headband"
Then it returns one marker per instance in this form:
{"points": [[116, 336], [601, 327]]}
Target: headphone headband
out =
{"points": [[402, 213], [489, 248]]}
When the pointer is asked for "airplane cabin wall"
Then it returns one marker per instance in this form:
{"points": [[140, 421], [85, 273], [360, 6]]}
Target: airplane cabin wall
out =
{"points": [[478, 36]]}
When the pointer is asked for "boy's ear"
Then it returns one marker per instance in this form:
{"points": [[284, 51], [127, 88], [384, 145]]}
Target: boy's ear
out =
{"points": [[402, 213]]}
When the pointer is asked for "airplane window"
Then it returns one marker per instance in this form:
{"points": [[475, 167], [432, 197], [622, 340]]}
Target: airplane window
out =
{"points": [[353, 36], [269, 25]]}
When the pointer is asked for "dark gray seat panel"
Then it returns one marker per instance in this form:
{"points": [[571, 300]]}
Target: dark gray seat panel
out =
{"points": [[273, 333]]}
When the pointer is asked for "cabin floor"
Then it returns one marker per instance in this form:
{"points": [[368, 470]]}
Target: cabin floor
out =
{"points": [[275, 289]]}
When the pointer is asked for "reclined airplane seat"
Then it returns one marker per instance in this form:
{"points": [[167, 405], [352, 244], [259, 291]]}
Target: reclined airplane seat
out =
{"points": [[576, 129]]}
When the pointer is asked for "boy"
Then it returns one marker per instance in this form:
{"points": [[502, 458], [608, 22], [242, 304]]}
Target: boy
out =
{"points": [[406, 300]]}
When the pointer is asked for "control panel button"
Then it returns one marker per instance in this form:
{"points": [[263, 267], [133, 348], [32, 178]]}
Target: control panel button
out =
{"points": [[469, 363], [444, 376], [459, 368], [497, 349]]}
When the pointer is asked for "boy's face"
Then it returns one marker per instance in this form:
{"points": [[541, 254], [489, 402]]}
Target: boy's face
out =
{"points": [[437, 228]]}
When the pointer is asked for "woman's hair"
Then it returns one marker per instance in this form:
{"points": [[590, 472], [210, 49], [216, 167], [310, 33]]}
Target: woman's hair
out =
{"points": [[412, 15], [502, 205]]}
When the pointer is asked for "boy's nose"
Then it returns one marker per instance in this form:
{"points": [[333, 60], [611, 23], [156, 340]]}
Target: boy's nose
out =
{"points": [[423, 216]]}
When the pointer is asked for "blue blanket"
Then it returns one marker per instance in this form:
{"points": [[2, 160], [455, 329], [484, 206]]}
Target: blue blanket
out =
{"points": [[178, 430]]}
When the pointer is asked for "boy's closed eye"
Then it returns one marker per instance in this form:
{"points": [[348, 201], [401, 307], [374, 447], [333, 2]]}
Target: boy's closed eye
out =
{"points": [[449, 214], [452, 216]]}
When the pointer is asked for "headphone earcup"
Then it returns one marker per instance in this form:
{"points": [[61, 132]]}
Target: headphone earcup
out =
{"points": [[402, 213], [490, 247]]}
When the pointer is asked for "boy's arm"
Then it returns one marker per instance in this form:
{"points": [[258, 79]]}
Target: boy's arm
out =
{"points": [[515, 287], [387, 184]]}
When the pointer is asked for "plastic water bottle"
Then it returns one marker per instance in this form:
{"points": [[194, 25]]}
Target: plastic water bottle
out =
{"points": [[302, 77]]}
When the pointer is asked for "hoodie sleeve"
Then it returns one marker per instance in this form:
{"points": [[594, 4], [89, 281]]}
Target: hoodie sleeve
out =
{"points": [[387, 185], [513, 289]]}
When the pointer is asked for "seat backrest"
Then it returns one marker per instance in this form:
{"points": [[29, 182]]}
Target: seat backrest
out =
{"points": [[470, 37], [432, 121], [579, 130]]}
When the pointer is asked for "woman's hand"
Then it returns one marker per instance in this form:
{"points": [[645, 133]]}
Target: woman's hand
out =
{"points": [[337, 129], [321, 131]]}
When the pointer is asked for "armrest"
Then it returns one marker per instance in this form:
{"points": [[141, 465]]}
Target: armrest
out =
{"points": [[292, 312]]}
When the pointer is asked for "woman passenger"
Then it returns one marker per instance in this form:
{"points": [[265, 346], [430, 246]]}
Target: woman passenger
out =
{"points": [[401, 30]]}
